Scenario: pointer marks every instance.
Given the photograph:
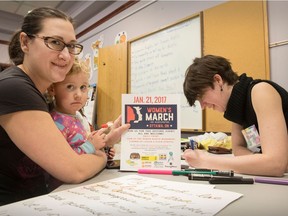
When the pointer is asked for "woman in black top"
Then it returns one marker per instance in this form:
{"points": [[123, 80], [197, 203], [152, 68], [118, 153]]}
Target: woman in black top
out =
{"points": [[33, 152]]}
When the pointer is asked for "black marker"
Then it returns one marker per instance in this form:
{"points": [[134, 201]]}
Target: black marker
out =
{"points": [[217, 172], [207, 177], [201, 177], [230, 180]]}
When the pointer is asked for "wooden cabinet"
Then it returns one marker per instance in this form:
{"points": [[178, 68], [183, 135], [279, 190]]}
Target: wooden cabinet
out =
{"points": [[112, 82]]}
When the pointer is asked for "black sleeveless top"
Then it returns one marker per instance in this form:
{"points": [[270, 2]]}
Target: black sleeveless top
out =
{"points": [[239, 108]]}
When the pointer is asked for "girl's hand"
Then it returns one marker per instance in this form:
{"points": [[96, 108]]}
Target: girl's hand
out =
{"points": [[97, 138]]}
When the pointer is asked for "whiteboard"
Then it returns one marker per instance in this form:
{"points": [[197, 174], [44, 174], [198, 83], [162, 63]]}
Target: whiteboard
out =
{"points": [[158, 62]]}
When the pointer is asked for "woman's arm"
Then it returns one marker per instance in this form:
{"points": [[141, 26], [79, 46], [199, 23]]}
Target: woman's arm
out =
{"points": [[35, 134], [272, 129]]}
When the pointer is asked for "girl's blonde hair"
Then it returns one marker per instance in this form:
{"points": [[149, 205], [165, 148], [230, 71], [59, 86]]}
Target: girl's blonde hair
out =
{"points": [[78, 67]]}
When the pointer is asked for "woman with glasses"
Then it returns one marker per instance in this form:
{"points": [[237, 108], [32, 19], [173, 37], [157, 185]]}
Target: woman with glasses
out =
{"points": [[258, 110], [32, 149]]}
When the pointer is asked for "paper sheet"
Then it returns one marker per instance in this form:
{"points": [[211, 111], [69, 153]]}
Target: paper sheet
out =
{"points": [[128, 195]]}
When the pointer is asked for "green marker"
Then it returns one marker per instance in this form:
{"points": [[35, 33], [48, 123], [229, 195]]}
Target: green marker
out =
{"points": [[186, 173]]}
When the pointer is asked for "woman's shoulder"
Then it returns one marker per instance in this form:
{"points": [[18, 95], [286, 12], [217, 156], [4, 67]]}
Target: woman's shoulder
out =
{"points": [[266, 86], [12, 71], [18, 92], [14, 75], [266, 92]]}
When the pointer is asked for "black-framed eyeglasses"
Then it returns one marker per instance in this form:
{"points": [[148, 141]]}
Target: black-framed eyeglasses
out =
{"points": [[59, 45]]}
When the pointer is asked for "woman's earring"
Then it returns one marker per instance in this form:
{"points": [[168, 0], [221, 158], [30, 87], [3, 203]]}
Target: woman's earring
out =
{"points": [[221, 88]]}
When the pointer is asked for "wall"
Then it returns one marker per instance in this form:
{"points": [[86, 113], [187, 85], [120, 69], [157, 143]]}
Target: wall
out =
{"points": [[4, 57], [278, 31], [142, 18]]}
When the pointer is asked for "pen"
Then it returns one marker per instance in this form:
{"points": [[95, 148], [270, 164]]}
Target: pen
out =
{"points": [[271, 181], [218, 172], [230, 180]]}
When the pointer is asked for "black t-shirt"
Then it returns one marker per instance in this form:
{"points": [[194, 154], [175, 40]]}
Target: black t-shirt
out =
{"points": [[20, 177]]}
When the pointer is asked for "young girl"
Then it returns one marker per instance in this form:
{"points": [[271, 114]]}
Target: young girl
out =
{"points": [[68, 97]]}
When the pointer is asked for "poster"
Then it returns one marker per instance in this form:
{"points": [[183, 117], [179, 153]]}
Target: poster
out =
{"points": [[154, 138]]}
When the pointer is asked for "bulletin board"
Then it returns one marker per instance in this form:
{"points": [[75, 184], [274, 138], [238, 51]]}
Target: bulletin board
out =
{"points": [[158, 62]]}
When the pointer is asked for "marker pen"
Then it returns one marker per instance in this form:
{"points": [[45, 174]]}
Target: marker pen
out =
{"points": [[174, 172], [217, 172], [206, 177], [151, 171], [200, 177], [230, 180], [279, 181], [183, 172], [107, 125]]}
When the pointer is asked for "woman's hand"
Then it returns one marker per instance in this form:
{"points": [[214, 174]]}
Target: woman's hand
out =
{"points": [[116, 132], [110, 152], [194, 158]]}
